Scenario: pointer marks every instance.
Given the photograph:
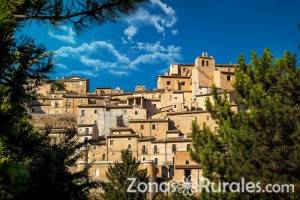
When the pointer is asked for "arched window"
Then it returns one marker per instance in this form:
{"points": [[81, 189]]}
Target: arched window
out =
{"points": [[207, 63], [202, 62]]}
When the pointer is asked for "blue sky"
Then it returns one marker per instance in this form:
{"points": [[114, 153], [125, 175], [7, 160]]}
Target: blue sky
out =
{"points": [[134, 50]]}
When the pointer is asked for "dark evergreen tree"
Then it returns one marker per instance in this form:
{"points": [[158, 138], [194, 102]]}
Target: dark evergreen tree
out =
{"points": [[30, 168], [116, 186], [260, 142]]}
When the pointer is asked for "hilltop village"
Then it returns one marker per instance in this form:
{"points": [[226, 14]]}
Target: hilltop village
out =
{"points": [[155, 125]]}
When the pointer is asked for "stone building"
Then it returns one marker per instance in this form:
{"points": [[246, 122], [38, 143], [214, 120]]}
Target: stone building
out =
{"points": [[156, 125]]}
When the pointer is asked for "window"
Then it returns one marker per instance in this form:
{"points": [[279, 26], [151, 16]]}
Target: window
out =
{"points": [[168, 82], [155, 150], [187, 162], [188, 147], [174, 106], [129, 146], [96, 173], [155, 161], [207, 63], [95, 111], [125, 112], [103, 156], [135, 112], [142, 126], [144, 150], [183, 69], [86, 131], [144, 158], [187, 174], [111, 142], [175, 97], [82, 113], [228, 77], [173, 148], [202, 62], [129, 138], [95, 147], [153, 126], [154, 105], [182, 83]]}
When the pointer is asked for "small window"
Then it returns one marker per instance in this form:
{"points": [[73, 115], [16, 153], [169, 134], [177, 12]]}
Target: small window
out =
{"points": [[182, 83], [82, 113], [188, 147], [96, 173], [228, 77], [175, 97], [187, 162], [86, 131], [168, 82], [144, 158], [103, 156], [207, 63], [173, 148], [153, 126], [95, 111], [183, 69], [129, 146], [135, 112], [155, 161], [125, 112], [129, 138], [174, 106], [154, 105], [95, 147], [202, 62], [155, 150], [142, 126], [144, 150], [111, 142]]}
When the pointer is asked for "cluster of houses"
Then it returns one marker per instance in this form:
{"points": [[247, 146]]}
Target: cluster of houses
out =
{"points": [[155, 125]]}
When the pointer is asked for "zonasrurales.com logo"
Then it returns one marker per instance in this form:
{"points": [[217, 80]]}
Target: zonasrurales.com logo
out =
{"points": [[189, 186]]}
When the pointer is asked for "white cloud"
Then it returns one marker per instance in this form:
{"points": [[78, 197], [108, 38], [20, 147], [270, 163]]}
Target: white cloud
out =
{"points": [[63, 33], [169, 11], [82, 72], [155, 52], [130, 31], [92, 47], [118, 73], [161, 21], [174, 32], [118, 64], [97, 63], [62, 66]]}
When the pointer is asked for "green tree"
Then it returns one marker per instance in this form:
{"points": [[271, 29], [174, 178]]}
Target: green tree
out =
{"points": [[30, 168], [260, 142], [116, 186]]}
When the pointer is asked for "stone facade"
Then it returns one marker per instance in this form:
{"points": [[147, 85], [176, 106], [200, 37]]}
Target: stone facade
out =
{"points": [[155, 125]]}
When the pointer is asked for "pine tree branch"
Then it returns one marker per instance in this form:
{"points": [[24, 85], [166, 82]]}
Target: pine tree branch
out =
{"points": [[95, 12]]}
